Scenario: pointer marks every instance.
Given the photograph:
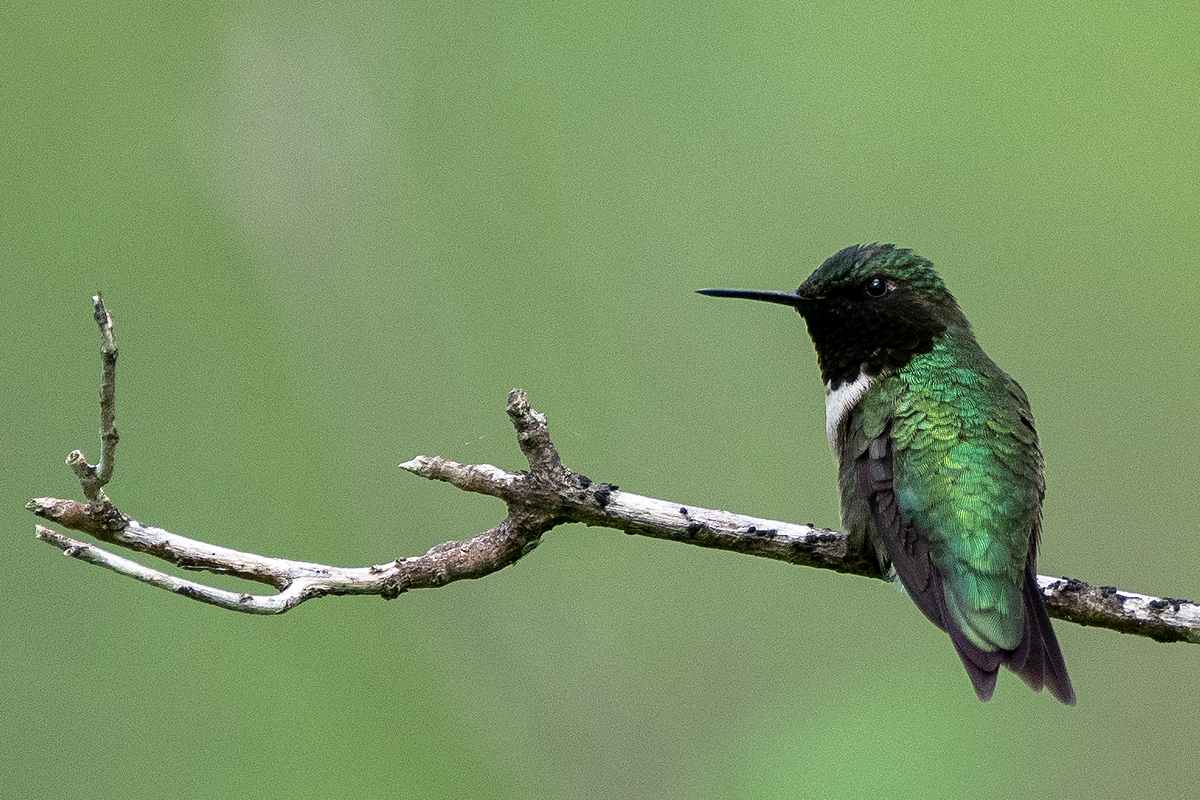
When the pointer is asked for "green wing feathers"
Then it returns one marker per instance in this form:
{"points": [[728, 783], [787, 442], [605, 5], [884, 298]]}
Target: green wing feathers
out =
{"points": [[940, 470], [968, 475]]}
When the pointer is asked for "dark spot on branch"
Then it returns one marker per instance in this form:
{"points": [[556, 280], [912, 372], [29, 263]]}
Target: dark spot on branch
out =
{"points": [[683, 511], [394, 587], [1157, 605], [604, 493], [107, 517]]}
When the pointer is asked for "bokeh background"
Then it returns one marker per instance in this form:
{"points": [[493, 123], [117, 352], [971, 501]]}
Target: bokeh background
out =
{"points": [[334, 236]]}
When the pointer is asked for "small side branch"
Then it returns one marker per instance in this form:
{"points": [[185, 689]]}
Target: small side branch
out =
{"points": [[545, 496], [300, 580], [93, 479]]}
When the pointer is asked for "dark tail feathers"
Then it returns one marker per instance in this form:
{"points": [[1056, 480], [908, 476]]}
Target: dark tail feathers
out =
{"points": [[1037, 660]]}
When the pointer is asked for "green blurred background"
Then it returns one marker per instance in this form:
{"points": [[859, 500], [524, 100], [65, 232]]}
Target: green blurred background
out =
{"points": [[334, 235]]}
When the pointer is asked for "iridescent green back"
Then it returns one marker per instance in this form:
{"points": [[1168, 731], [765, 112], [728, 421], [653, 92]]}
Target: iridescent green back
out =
{"points": [[967, 475]]}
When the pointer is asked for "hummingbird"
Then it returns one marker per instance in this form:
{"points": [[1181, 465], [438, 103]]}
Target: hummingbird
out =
{"points": [[939, 470]]}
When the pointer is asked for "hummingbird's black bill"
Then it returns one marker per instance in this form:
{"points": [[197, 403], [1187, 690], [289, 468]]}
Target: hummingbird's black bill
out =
{"points": [[782, 298]]}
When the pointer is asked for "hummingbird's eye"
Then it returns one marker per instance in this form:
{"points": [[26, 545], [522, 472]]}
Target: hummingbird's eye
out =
{"points": [[876, 287]]}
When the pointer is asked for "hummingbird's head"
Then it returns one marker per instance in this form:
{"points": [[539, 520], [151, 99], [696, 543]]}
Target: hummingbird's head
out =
{"points": [[869, 309]]}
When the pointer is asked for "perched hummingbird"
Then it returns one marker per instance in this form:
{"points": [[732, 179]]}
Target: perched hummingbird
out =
{"points": [[938, 460]]}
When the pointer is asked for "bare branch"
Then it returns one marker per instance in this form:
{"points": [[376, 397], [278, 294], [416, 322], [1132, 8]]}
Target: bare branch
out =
{"points": [[601, 504], [538, 500], [94, 478]]}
